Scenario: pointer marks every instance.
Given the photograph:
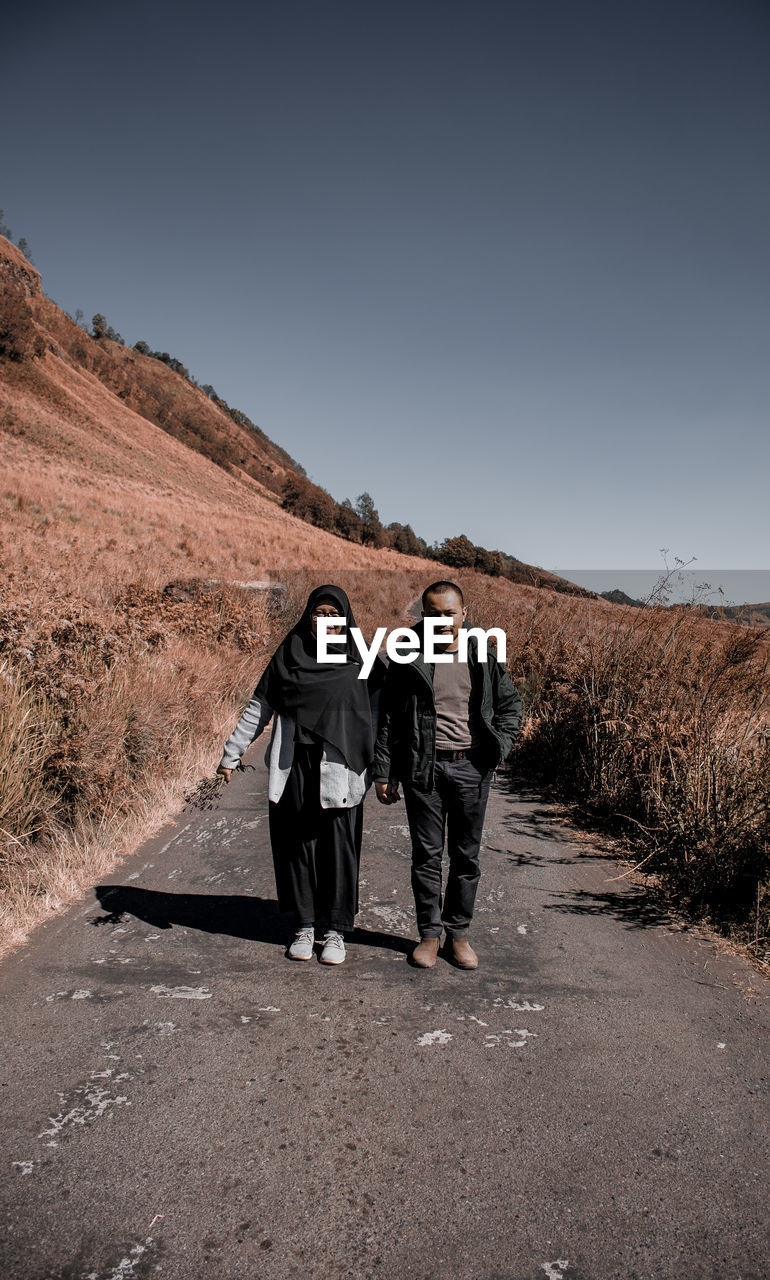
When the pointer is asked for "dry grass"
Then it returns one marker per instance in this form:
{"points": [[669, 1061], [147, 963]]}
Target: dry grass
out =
{"points": [[657, 725], [109, 690], [114, 699], [106, 712]]}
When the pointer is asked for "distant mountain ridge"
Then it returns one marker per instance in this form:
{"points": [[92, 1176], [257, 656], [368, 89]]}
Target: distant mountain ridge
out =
{"points": [[750, 615]]}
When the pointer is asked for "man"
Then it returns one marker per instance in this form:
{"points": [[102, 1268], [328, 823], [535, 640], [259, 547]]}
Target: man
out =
{"points": [[444, 728]]}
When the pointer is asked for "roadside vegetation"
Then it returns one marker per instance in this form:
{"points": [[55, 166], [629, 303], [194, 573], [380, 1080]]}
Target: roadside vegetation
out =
{"points": [[652, 724], [655, 725], [116, 693], [108, 706]]}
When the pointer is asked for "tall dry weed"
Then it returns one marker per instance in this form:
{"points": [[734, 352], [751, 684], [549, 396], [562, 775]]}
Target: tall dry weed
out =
{"points": [[27, 804], [103, 705], [657, 723]]}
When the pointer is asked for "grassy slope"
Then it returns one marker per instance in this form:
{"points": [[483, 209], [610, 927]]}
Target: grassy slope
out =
{"points": [[114, 699]]}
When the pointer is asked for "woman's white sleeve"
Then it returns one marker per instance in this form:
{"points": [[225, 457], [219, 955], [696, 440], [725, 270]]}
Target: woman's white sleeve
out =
{"points": [[249, 727]]}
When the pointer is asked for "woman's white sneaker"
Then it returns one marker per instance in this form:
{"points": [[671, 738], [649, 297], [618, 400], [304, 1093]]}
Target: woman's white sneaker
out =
{"points": [[302, 946], [333, 949]]}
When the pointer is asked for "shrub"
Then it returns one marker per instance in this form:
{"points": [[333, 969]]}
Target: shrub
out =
{"points": [[458, 553], [27, 727], [20, 339], [658, 725]]}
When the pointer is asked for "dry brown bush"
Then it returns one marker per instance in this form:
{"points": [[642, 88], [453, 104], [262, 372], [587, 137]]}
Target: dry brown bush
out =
{"points": [[658, 725], [101, 707], [20, 339]]}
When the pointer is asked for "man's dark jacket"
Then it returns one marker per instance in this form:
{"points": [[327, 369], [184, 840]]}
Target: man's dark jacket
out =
{"points": [[406, 741]]}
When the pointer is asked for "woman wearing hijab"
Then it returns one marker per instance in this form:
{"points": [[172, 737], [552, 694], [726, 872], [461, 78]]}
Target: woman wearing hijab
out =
{"points": [[318, 760]]}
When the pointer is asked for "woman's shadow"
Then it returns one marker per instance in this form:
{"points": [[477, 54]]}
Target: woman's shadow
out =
{"points": [[234, 915]]}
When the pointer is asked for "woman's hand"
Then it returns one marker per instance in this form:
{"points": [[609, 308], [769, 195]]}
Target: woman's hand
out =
{"points": [[387, 792], [224, 773]]}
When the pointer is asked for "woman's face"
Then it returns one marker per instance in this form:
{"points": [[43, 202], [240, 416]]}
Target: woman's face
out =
{"points": [[325, 608]]}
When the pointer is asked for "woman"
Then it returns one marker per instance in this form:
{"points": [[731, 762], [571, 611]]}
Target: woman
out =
{"points": [[318, 759]]}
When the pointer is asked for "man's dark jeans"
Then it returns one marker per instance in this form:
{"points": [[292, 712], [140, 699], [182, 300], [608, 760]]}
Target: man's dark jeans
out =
{"points": [[456, 805]]}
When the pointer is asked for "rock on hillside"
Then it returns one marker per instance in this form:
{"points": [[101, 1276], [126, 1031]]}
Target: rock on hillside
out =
{"points": [[17, 270]]}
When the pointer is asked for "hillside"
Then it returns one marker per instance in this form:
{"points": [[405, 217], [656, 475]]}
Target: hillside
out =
{"points": [[749, 615], [88, 477], [121, 477], [84, 407]]}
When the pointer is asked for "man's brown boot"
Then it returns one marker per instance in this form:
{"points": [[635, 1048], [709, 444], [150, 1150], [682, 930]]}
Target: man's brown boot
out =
{"points": [[424, 954], [461, 953]]}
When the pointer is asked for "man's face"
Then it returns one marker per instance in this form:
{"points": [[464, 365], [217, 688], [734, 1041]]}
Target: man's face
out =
{"points": [[445, 604], [325, 609]]}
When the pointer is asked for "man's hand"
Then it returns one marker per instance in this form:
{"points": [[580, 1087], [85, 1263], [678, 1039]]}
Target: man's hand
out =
{"points": [[387, 792], [224, 773]]}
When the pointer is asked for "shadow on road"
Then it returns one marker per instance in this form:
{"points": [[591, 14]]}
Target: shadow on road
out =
{"points": [[634, 908], [541, 826], [235, 915], [523, 859]]}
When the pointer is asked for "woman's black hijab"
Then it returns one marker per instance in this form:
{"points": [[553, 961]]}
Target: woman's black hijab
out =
{"points": [[328, 699]]}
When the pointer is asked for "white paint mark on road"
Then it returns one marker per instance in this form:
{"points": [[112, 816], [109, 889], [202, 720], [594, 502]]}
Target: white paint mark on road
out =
{"points": [[435, 1037], [494, 1039], [93, 1101], [523, 1036], [169, 843], [523, 1006], [521, 928], [181, 993], [472, 1018], [721, 1045], [391, 915], [555, 1270], [244, 1018], [72, 995], [269, 1008], [126, 1268], [24, 1166]]}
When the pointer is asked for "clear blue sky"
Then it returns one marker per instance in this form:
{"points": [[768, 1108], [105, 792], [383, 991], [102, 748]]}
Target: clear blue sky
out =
{"points": [[504, 265]]}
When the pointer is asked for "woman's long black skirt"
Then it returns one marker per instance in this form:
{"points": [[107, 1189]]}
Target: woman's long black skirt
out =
{"points": [[316, 852]]}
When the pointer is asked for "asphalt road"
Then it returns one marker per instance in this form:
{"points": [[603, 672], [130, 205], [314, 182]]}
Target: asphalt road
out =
{"points": [[179, 1100]]}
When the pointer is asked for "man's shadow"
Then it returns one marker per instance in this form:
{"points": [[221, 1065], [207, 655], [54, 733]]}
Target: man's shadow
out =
{"points": [[234, 915]]}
